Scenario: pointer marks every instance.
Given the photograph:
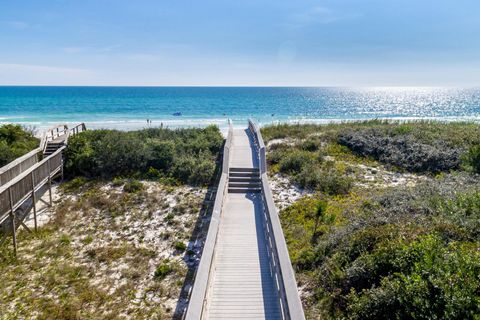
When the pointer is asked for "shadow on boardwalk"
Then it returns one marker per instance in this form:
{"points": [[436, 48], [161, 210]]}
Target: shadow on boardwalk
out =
{"points": [[197, 240]]}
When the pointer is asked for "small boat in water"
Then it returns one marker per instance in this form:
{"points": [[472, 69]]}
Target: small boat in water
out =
{"points": [[177, 114]]}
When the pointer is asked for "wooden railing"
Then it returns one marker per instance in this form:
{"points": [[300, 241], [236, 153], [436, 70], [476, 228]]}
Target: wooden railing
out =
{"points": [[19, 165], [281, 264], [199, 291], [23, 187], [77, 129], [54, 133], [22, 178]]}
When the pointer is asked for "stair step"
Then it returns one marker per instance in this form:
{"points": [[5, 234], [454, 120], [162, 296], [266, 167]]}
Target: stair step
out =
{"points": [[243, 185], [244, 190], [249, 170], [244, 175], [250, 179]]}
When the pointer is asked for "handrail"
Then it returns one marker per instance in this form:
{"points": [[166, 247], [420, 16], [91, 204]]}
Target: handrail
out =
{"points": [[17, 161], [14, 193], [290, 299], [53, 133], [262, 157], [78, 128], [199, 291], [17, 166], [228, 144]]}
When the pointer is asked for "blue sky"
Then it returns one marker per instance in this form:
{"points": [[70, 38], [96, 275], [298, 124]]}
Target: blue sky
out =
{"points": [[241, 42]]}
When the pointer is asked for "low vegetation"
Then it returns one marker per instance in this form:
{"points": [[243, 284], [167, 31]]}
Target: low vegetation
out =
{"points": [[472, 158], [15, 141], [104, 254], [380, 250], [183, 155], [425, 146]]}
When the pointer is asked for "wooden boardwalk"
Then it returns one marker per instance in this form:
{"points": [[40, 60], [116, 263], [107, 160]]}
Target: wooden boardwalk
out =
{"points": [[22, 181], [242, 284], [245, 271]]}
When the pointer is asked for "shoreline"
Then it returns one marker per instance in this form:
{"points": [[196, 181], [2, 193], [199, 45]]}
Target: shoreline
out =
{"points": [[222, 123]]}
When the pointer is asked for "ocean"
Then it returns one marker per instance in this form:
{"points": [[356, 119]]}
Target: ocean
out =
{"points": [[127, 108]]}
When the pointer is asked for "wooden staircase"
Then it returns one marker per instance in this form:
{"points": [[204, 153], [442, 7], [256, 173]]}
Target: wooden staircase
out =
{"points": [[244, 180], [52, 146]]}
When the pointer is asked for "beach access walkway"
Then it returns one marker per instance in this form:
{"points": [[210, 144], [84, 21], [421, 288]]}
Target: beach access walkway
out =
{"points": [[23, 180], [245, 271]]}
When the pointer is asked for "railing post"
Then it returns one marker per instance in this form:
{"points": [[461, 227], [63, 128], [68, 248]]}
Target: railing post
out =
{"points": [[225, 159], [49, 182], [34, 199], [263, 160], [12, 217]]}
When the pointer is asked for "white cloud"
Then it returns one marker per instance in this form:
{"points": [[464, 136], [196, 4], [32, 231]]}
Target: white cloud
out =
{"points": [[317, 15]]}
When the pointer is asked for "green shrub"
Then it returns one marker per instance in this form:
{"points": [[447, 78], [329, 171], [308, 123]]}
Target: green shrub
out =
{"points": [[15, 141], [163, 154], [133, 186], [438, 281], [162, 271], [65, 239], [311, 145], [169, 217], [117, 182], [403, 151], [472, 158], [184, 155], [295, 161], [75, 184], [180, 246], [329, 180]]}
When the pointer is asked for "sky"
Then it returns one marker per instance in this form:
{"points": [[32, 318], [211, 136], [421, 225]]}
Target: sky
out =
{"points": [[240, 42]]}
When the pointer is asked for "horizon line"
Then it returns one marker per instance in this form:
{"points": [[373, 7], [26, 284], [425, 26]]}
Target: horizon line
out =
{"points": [[249, 86]]}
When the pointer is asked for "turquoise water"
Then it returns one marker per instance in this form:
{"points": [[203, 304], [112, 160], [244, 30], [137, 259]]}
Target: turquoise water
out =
{"points": [[129, 107]]}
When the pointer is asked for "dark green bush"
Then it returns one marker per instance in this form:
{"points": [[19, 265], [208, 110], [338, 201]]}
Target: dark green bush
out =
{"points": [[180, 246], [472, 158], [187, 155], [163, 154], [163, 271], [438, 281], [15, 141], [295, 161], [329, 180], [402, 151], [311, 145]]}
